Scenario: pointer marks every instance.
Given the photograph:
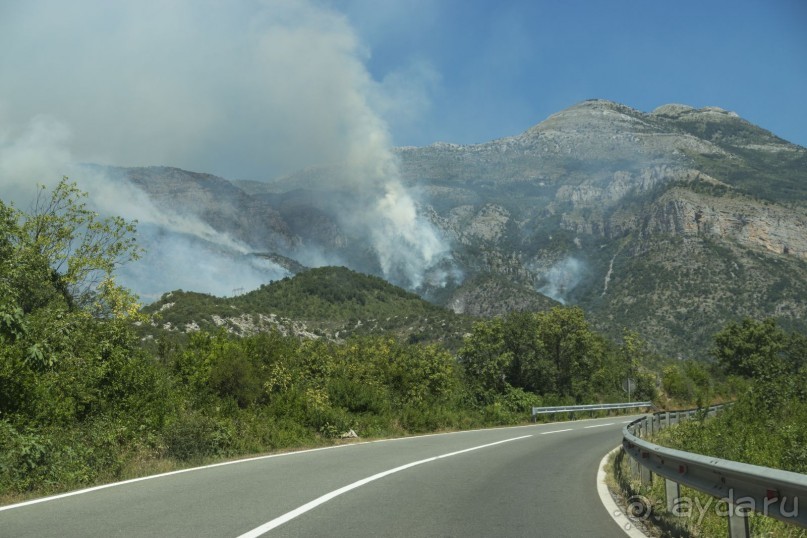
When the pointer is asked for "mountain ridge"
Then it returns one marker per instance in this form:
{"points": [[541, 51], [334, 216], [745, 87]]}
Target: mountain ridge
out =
{"points": [[591, 207]]}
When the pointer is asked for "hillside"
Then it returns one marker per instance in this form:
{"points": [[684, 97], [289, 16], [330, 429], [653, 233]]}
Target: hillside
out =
{"points": [[328, 302], [672, 222]]}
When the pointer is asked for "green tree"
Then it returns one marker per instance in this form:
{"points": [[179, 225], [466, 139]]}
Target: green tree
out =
{"points": [[675, 384], [751, 349], [82, 249], [485, 360], [569, 345], [552, 352], [72, 373]]}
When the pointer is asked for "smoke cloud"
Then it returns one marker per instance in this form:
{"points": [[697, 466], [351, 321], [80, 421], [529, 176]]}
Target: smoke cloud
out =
{"points": [[250, 90], [562, 278], [242, 89], [181, 251]]}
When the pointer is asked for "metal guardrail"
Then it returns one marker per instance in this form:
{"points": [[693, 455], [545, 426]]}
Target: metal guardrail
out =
{"points": [[589, 407], [743, 487]]}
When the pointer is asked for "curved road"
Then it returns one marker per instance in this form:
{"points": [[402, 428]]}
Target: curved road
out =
{"points": [[537, 480]]}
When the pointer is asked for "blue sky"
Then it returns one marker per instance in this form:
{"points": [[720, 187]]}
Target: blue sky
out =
{"points": [[257, 89], [502, 66]]}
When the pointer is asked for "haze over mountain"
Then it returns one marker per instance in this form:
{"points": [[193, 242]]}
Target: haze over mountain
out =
{"points": [[670, 222]]}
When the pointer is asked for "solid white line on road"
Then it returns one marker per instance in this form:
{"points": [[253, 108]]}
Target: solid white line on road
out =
{"points": [[599, 425], [288, 516], [621, 519], [259, 458], [557, 431]]}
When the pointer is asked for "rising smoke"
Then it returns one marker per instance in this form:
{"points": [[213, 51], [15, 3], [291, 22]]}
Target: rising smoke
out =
{"points": [[242, 90], [182, 251], [562, 278]]}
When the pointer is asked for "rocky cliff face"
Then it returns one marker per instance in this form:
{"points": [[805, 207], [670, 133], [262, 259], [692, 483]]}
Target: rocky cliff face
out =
{"points": [[671, 222], [216, 202]]}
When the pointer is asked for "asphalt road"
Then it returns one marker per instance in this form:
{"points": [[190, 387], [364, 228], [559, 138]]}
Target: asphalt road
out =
{"points": [[537, 480]]}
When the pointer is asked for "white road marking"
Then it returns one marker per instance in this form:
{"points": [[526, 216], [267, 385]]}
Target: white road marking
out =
{"points": [[169, 473], [268, 456], [599, 425], [288, 516], [557, 431], [621, 519]]}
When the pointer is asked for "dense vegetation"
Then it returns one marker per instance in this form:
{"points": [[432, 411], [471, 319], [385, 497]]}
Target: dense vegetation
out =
{"points": [[334, 302], [767, 425], [82, 400], [85, 397]]}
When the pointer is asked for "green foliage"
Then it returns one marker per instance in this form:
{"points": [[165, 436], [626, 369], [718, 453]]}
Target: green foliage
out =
{"points": [[194, 435], [83, 400], [74, 384], [767, 425], [80, 249], [687, 382], [332, 301], [552, 353], [751, 349]]}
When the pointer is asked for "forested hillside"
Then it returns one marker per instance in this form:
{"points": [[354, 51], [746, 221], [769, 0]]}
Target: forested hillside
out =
{"points": [[329, 302]]}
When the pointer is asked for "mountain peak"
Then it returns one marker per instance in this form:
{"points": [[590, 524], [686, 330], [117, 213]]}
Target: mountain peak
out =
{"points": [[678, 111], [593, 116]]}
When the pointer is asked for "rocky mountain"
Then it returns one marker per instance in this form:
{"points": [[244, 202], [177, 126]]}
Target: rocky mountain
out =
{"points": [[670, 222]]}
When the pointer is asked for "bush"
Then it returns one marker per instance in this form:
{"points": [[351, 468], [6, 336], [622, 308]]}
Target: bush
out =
{"points": [[194, 435]]}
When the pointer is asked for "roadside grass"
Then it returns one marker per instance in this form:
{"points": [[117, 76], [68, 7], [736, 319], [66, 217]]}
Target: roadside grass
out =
{"points": [[702, 514]]}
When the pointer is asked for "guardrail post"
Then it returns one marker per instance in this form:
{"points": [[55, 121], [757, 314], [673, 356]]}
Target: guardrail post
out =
{"points": [[738, 522], [672, 490], [646, 476], [634, 468]]}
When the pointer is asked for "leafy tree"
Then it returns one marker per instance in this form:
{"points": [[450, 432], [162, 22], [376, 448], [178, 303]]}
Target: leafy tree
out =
{"points": [[546, 353], [81, 249], [675, 383], [569, 344], [74, 383], [751, 348], [485, 360], [635, 352], [530, 367]]}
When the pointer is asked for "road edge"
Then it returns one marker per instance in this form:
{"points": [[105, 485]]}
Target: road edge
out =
{"points": [[620, 518], [247, 459]]}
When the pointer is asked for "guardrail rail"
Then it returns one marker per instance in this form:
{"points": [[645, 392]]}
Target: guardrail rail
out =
{"points": [[588, 407], [744, 487]]}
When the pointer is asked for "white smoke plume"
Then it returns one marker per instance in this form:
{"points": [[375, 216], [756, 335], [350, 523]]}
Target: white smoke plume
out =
{"points": [[562, 278], [241, 89], [407, 244], [182, 252]]}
